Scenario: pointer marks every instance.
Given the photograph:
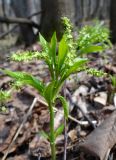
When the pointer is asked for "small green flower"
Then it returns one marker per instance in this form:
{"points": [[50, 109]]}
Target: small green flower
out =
{"points": [[25, 56], [93, 35], [68, 29], [96, 72], [3, 109]]}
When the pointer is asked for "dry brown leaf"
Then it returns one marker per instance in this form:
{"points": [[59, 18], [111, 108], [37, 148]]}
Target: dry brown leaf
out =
{"points": [[73, 135], [7, 142], [19, 157], [110, 68], [102, 98], [39, 145]]}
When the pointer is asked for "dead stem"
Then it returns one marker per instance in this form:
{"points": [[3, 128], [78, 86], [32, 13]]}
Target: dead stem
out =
{"points": [[20, 127]]}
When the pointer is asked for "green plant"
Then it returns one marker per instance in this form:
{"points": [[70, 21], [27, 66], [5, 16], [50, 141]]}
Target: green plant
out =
{"points": [[60, 69], [61, 65], [4, 97], [113, 81], [93, 39], [112, 89]]}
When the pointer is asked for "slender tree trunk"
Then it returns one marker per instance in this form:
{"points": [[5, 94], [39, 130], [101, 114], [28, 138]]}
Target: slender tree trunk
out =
{"points": [[79, 13], [21, 9], [113, 20], [4, 12]]}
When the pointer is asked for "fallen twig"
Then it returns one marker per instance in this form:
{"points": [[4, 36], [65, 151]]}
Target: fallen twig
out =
{"points": [[20, 127], [74, 104], [9, 31], [82, 123]]}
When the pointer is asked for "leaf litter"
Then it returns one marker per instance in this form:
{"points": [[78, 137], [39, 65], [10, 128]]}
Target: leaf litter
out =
{"points": [[90, 101]]}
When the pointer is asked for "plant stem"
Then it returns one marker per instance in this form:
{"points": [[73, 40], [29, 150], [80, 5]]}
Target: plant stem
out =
{"points": [[65, 138], [65, 127], [52, 134]]}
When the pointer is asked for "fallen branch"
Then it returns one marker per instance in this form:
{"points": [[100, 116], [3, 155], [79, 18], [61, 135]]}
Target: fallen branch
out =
{"points": [[35, 14], [9, 31], [82, 123], [19, 21], [74, 104]]}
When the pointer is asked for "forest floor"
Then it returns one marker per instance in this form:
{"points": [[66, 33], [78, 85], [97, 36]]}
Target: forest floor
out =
{"points": [[91, 128]]}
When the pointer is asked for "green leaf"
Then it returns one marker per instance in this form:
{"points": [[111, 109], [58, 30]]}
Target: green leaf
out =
{"points": [[91, 49], [65, 106], [50, 52], [59, 130], [49, 92], [113, 80], [53, 47], [62, 52], [44, 43], [44, 134], [79, 63], [26, 79], [4, 96]]}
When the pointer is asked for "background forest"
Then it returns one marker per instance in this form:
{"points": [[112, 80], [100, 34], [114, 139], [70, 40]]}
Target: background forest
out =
{"points": [[47, 20], [58, 79]]}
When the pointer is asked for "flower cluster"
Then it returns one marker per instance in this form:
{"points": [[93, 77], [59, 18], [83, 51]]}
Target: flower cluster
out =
{"points": [[68, 29], [96, 72]]}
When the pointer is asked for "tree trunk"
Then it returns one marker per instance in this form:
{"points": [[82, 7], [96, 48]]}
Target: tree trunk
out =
{"points": [[21, 9], [53, 10], [79, 14], [113, 20]]}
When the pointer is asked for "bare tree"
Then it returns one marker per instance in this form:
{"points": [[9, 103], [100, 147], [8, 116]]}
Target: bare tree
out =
{"points": [[21, 9], [113, 20]]}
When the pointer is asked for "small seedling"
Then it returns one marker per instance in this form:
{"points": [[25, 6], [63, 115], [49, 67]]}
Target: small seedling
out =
{"points": [[61, 64], [4, 97], [113, 88], [113, 80]]}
